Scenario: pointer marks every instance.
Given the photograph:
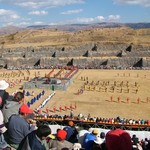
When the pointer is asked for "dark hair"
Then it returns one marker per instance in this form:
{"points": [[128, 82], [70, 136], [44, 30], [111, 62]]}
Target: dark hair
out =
{"points": [[18, 96], [102, 135], [43, 131]]}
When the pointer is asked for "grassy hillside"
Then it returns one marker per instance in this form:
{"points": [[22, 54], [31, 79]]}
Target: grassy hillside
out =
{"points": [[50, 37]]}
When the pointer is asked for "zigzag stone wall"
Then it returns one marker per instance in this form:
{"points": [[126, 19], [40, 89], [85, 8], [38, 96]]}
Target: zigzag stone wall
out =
{"points": [[93, 55]]}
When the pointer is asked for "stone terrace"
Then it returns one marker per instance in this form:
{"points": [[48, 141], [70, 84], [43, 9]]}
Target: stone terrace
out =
{"points": [[92, 55]]}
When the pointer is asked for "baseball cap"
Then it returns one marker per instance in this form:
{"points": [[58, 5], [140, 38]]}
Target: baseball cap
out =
{"points": [[25, 109], [61, 134]]}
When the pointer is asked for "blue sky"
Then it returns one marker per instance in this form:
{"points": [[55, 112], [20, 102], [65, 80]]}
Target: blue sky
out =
{"points": [[56, 12]]}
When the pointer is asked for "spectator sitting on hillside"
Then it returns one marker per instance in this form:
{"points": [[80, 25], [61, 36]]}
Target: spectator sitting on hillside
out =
{"points": [[146, 144], [36, 139], [118, 140], [82, 133], [12, 107], [71, 132], [3, 94], [60, 143], [102, 136], [135, 141], [77, 146], [3, 143], [19, 126], [97, 144], [89, 139]]}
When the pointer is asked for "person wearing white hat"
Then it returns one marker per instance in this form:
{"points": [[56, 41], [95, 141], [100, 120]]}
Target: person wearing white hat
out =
{"points": [[3, 85], [3, 94], [77, 146]]}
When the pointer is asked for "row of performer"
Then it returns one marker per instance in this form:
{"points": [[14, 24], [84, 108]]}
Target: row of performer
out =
{"points": [[110, 89], [60, 108], [128, 100]]}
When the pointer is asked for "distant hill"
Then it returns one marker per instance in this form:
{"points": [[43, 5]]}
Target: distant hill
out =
{"points": [[77, 27], [138, 25], [74, 27], [10, 30]]}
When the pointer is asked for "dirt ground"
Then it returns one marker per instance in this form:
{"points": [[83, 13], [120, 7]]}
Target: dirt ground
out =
{"points": [[99, 102]]}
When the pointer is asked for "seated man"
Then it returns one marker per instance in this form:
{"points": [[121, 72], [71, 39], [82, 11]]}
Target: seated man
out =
{"points": [[12, 107], [89, 139], [3, 94], [60, 143], [135, 140], [71, 132], [19, 126], [36, 139], [118, 139]]}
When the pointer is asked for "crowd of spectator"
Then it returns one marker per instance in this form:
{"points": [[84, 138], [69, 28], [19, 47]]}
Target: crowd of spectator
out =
{"points": [[79, 67], [19, 131], [98, 120]]}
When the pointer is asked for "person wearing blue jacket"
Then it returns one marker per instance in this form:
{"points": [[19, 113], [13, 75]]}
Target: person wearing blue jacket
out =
{"points": [[19, 126], [89, 139]]}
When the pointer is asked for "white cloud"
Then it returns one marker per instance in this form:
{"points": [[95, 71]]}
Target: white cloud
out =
{"points": [[42, 3], [99, 18], [9, 24], [20, 24], [39, 23], [23, 24], [145, 3], [52, 24], [28, 4], [113, 18], [8, 15], [26, 19], [90, 20], [42, 12], [14, 16], [76, 11]]}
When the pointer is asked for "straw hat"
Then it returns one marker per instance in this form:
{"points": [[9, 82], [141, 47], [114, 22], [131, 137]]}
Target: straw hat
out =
{"points": [[95, 131], [3, 85]]}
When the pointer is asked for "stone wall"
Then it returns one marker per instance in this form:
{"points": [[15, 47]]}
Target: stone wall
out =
{"points": [[40, 85], [92, 54]]}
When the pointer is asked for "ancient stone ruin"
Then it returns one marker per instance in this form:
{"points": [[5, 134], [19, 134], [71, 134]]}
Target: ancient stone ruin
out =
{"points": [[92, 55]]}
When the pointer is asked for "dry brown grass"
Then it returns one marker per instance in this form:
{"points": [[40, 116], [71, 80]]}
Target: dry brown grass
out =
{"points": [[98, 103], [45, 37]]}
